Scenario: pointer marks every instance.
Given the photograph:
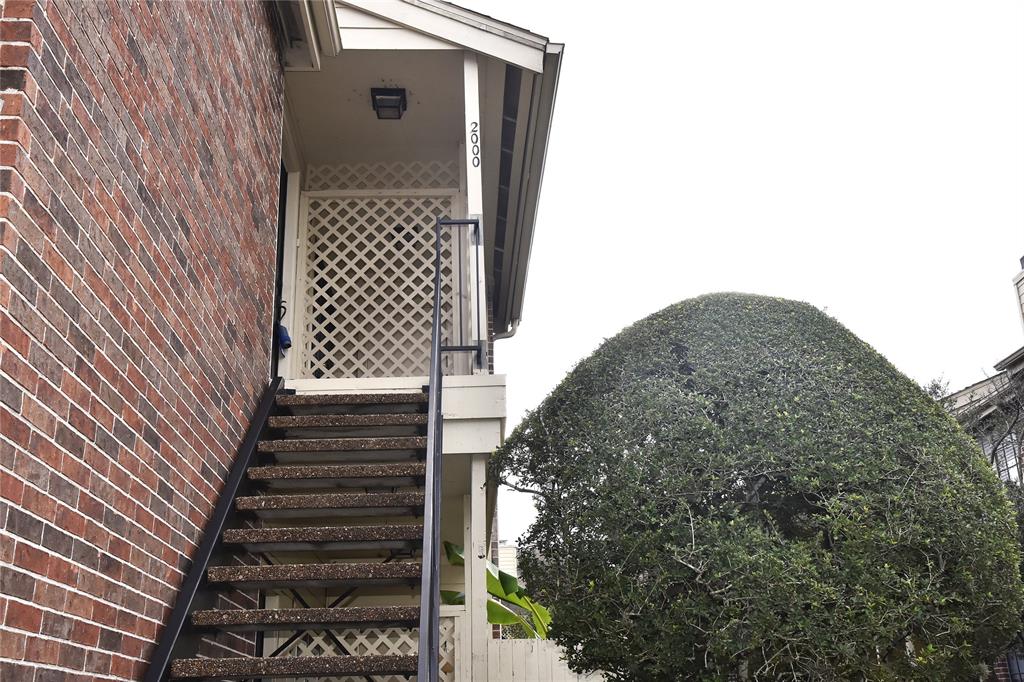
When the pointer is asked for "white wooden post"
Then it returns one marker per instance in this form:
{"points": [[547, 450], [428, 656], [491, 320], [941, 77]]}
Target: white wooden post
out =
{"points": [[474, 170], [473, 163], [476, 591]]}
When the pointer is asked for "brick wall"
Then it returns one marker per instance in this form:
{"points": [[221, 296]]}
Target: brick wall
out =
{"points": [[139, 154]]}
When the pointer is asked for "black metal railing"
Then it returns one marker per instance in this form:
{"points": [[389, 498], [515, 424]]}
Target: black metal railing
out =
{"points": [[430, 587], [188, 595]]}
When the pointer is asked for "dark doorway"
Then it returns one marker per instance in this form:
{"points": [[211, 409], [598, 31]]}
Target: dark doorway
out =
{"points": [[275, 352]]}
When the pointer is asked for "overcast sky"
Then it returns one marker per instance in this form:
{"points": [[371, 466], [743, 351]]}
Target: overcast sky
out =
{"points": [[866, 157]]}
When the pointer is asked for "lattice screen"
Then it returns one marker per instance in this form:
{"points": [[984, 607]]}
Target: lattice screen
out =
{"points": [[368, 286], [376, 642], [385, 175], [367, 275]]}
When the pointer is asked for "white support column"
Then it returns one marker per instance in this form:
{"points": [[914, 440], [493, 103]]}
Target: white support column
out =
{"points": [[476, 591], [474, 165], [474, 193]]}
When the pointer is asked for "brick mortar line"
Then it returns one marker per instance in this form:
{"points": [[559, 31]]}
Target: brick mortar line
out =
{"points": [[99, 399], [77, 673], [181, 436], [75, 589], [66, 616], [44, 493], [139, 286], [106, 479], [163, 379], [158, 171], [82, 489]]}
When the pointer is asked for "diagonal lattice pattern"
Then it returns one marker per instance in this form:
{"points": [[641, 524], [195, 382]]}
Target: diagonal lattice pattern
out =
{"points": [[377, 642], [396, 175], [368, 285]]}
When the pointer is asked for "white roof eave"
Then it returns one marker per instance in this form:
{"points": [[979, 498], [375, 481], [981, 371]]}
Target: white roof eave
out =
{"points": [[461, 27], [535, 168]]}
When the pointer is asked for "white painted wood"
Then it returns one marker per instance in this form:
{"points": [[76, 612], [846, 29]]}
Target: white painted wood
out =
{"points": [[326, 21], [469, 436], [356, 193], [543, 658], [454, 25], [368, 286], [531, 660], [453, 387], [473, 142], [350, 17], [476, 596], [384, 175], [396, 38]]}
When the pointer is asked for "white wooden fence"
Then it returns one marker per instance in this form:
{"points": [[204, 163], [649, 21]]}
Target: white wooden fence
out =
{"points": [[530, 660]]}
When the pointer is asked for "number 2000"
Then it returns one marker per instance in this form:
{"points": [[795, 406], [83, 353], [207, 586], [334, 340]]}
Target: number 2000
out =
{"points": [[474, 141]]}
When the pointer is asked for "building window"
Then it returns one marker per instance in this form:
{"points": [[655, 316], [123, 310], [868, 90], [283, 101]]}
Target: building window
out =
{"points": [[1005, 459]]}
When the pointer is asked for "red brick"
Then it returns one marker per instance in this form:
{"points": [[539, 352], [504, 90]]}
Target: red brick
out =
{"points": [[23, 616], [87, 349]]}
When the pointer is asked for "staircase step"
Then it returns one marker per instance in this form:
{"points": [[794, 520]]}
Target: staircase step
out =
{"points": [[325, 537], [343, 475], [249, 620], [315, 575], [311, 421], [328, 446], [331, 504], [307, 666], [354, 450], [324, 399]]}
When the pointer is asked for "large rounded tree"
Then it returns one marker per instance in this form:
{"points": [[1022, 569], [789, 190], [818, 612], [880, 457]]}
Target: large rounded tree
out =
{"points": [[739, 486]]}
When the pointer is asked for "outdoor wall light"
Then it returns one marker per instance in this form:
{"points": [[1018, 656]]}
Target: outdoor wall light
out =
{"points": [[389, 103]]}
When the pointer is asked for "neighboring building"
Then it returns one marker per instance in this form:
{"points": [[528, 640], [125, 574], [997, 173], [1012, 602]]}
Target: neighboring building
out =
{"points": [[176, 177], [508, 558], [992, 410]]}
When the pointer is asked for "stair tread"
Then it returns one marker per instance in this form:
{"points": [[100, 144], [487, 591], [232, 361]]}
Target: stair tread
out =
{"points": [[343, 444], [293, 666], [312, 471], [329, 420], [312, 399], [329, 501], [314, 534], [314, 572], [311, 616]]}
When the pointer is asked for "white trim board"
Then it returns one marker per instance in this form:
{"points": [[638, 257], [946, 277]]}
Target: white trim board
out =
{"points": [[449, 26]]}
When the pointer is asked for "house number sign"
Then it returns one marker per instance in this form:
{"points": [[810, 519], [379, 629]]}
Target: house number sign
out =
{"points": [[474, 141]]}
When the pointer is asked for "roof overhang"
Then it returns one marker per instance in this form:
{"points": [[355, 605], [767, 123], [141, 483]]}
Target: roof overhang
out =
{"points": [[461, 27], [1012, 362], [511, 259], [505, 51]]}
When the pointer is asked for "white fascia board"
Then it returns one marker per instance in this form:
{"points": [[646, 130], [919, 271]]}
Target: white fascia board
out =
{"points": [[461, 27], [326, 21], [540, 133]]}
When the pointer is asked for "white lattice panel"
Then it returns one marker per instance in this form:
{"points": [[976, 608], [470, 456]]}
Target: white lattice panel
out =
{"points": [[376, 642], [384, 175], [368, 285]]}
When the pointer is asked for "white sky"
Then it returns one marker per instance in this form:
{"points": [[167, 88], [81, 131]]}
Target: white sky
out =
{"points": [[867, 157]]}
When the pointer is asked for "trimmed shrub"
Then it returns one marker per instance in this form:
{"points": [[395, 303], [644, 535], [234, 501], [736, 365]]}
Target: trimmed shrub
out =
{"points": [[739, 486]]}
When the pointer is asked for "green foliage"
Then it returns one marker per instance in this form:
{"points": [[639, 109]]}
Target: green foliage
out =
{"points": [[737, 485], [504, 590]]}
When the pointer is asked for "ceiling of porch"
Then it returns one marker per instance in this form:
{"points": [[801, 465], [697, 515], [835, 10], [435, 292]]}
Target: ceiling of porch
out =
{"points": [[334, 120]]}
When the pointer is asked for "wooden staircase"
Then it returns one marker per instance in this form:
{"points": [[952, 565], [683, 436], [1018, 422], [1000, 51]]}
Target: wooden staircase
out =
{"points": [[331, 498]]}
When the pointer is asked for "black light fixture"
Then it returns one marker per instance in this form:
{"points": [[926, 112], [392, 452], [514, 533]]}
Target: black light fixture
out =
{"points": [[389, 103]]}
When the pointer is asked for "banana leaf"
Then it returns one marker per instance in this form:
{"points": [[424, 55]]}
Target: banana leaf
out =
{"points": [[506, 587]]}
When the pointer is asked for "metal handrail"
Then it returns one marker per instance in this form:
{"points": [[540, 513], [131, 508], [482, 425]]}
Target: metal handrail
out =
{"points": [[430, 585], [160, 661]]}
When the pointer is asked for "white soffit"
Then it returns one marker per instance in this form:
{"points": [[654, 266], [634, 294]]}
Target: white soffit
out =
{"points": [[430, 24]]}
